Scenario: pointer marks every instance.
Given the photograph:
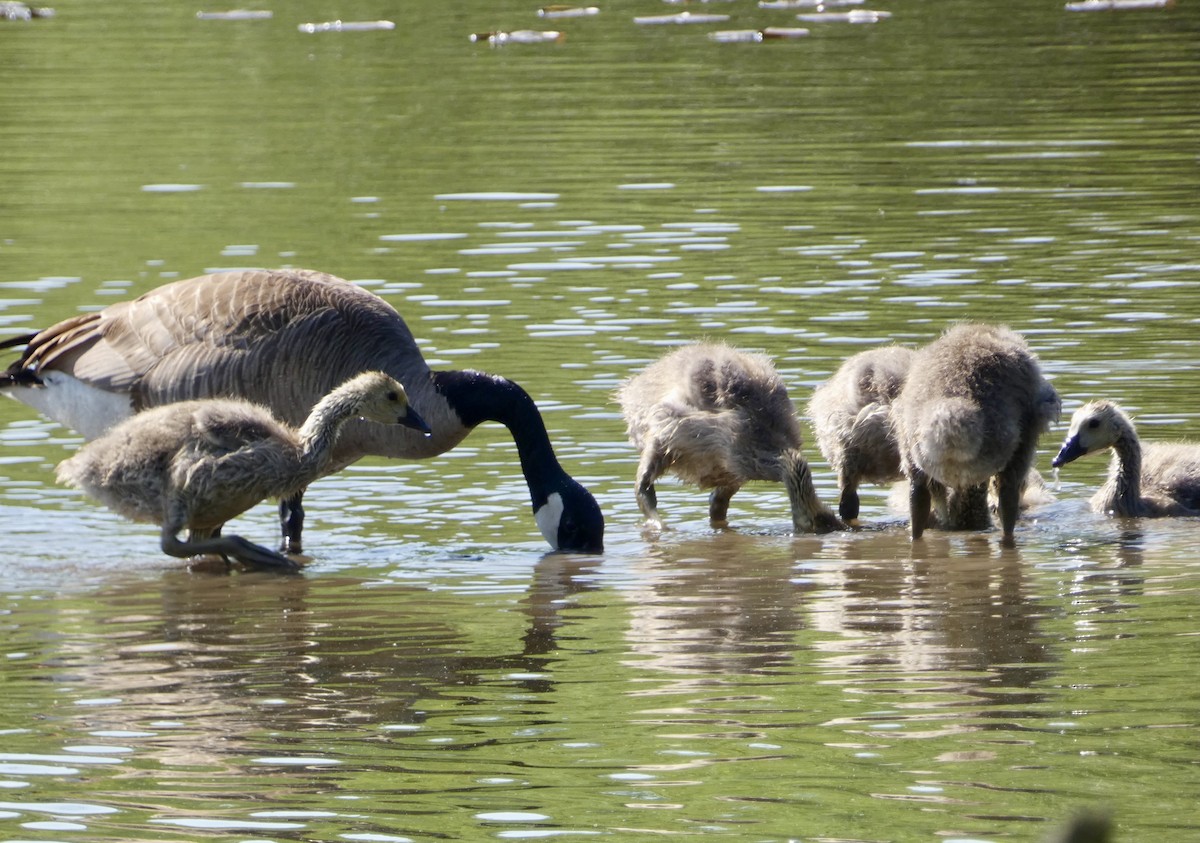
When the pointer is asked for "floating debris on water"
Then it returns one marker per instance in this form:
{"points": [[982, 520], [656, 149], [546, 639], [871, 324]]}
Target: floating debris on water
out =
{"points": [[348, 26], [171, 188], [236, 14], [19, 11], [1117, 5], [853, 16], [681, 17], [568, 11], [756, 36], [807, 4], [519, 36]]}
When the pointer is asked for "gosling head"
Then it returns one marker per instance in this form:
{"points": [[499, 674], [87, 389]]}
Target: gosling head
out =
{"points": [[809, 515], [386, 402], [1094, 427]]}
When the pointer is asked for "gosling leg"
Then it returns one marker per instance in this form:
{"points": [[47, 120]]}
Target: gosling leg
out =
{"points": [[650, 468], [239, 548], [848, 505], [920, 499], [718, 505], [211, 541], [967, 509], [1009, 484]]}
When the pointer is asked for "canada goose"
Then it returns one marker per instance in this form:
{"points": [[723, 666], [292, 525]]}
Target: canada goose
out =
{"points": [[851, 417], [197, 464], [284, 338], [718, 417], [1151, 479], [971, 409]]}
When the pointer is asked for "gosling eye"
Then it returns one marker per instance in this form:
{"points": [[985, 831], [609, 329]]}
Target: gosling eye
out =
{"points": [[1093, 423], [393, 396]]}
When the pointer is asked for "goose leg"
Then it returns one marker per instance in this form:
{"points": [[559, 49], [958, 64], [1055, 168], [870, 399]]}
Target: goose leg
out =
{"points": [[919, 501], [718, 505], [651, 467], [291, 522]]}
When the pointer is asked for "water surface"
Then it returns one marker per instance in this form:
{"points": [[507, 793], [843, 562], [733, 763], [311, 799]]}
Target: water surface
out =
{"points": [[562, 213]]}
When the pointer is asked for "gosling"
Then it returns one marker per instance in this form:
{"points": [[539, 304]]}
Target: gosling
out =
{"points": [[718, 417], [1144, 480], [852, 418], [197, 464], [972, 408]]}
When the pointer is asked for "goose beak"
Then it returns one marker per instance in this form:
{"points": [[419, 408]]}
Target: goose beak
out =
{"points": [[411, 419], [1071, 450]]}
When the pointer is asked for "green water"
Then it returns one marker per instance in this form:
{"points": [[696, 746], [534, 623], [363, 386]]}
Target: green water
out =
{"points": [[561, 213]]}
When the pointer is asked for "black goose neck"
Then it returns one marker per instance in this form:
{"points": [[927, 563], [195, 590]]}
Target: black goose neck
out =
{"points": [[477, 397]]}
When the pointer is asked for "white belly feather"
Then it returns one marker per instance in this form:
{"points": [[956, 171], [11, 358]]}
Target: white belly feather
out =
{"points": [[549, 517], [71, 402]]}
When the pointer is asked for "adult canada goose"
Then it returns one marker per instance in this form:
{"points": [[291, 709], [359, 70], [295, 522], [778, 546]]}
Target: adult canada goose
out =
{"points": [[972, 409], [852, 419], [197, 464], [283, 339], [1144, 479], [718, 417]]}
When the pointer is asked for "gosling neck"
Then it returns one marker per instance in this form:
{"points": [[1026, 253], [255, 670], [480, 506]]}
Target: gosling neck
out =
{"points": [[1126, 475], [320, 430]]}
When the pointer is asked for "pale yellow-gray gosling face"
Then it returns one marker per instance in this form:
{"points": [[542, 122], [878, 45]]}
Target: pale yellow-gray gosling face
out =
{"points": [[1094, 427], [385, 401]]}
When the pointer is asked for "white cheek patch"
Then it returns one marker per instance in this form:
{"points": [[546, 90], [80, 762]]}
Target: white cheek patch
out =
{"points": [[71, 402], [549, 517]]}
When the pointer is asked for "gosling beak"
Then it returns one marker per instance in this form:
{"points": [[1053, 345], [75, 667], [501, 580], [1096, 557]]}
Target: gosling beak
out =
{"points": [[1071, 450], [411, 419]]}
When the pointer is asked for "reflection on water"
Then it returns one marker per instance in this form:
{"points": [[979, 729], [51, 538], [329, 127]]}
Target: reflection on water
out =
{"points": [[716, 670], [560, 213], [717, 606]]}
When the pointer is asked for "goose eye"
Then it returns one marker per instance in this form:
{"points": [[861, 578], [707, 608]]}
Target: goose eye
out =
{"points": [[1093, 423]]}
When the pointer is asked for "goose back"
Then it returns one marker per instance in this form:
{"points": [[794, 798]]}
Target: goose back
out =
{"points": [[282, 339]]}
